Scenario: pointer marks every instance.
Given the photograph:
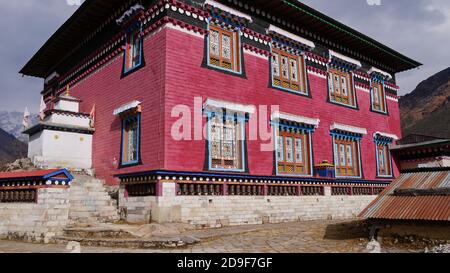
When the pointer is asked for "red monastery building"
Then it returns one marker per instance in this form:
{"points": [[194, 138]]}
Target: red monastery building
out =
{"points": [[323, 95]]}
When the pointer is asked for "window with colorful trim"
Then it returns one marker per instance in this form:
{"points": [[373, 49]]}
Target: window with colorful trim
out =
{"points": [[224, 49], [293, 151], [130, 139], [378, 97], [383, 156], [288, 71], [346, 156], [340, 87], [226, 142], [384, 161], [133, 51]]}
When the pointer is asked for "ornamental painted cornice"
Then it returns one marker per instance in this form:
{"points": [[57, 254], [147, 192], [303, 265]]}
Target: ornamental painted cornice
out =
{"points": [[177, 177], [390, 87], [375, 72], [34, 184], [362, 86], [316, 59], [256, 36], [316, 71], [258, 51], [361, 75], [223, 11], [130, 14], [342, 62], [285, 38]]}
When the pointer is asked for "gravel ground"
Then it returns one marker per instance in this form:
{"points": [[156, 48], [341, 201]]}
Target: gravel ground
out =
{"points": [[296, 237]]}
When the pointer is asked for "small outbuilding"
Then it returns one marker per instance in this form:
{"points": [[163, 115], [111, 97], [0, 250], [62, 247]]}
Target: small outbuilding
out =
{"points": [[418, 202]]}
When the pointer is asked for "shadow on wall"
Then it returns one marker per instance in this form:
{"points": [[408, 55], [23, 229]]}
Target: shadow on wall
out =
{"points": [[347, 230]]}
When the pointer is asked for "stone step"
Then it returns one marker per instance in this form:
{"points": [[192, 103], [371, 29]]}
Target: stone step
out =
{"points": [[90, 201], [98, 233], [82, 211], [152, 243]]}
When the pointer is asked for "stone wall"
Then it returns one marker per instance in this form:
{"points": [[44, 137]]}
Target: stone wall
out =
{"points": [[136, 209], [36, 221], [219, 211]]}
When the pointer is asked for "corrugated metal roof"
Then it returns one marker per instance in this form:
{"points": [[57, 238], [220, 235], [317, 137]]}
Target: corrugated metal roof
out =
{"points": [[422, 207]]}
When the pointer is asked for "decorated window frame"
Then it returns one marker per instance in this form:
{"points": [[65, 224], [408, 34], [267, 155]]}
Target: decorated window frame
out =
{"points": [[347, 155], [341, 89], [288, 71], [133, 54], [293, 149], [378, 101], [224, 50], [226, 141], [130, 139], [383, 156]]}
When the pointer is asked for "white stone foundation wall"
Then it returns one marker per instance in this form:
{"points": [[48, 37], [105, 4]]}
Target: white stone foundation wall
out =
{"points": [[136, 209], [36, 221], [219, 211]]}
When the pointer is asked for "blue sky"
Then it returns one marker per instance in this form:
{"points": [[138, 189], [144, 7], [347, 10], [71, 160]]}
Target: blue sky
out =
{"points": [[419, 29]]}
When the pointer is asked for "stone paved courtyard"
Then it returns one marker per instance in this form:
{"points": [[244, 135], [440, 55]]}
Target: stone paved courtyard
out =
{"points": [[296, 237]]}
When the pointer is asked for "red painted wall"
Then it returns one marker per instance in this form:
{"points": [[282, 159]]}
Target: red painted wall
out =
{"points": [[108, 91], [173, 75], [186, 79]]}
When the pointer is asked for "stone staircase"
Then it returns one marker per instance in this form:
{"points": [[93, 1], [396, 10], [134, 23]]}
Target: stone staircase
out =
{"points": [[89, 202]]}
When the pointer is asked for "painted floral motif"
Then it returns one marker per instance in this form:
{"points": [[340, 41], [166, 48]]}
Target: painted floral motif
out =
{"points": [[285, 67], [226, 47], [275, 65], [214, 42], [280, 150], [349, 156], [289, 150], [298, 150], [294, 70]]}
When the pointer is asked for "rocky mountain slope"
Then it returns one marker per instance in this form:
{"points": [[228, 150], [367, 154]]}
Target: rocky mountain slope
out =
{"points": [[11, 122], [426, 110], [10, 148]]}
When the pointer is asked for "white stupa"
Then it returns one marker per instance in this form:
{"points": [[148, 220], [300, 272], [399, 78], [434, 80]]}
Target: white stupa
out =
{"points": [[64, 138]]}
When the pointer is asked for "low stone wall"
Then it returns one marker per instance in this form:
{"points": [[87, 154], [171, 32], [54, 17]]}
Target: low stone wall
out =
{"points": [[219, 211], [36, 221], [136, 209]]}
